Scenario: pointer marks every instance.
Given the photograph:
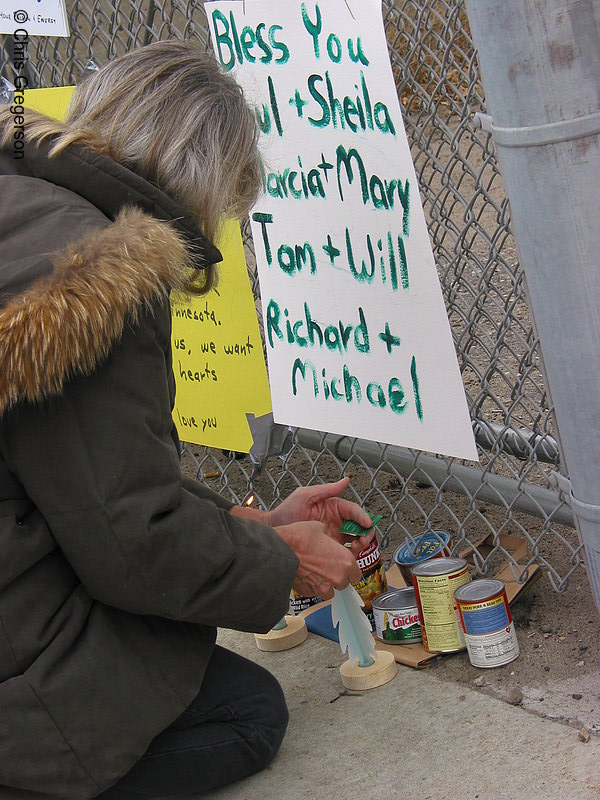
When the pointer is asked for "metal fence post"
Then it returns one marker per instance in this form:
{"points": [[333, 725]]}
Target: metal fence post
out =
{"points": [[540, 68]]}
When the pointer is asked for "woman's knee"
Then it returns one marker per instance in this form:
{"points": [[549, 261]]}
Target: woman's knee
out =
{"points": [[258, 702], [275, 717]]}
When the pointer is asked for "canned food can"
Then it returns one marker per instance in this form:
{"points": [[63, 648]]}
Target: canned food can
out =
{"points": [[397, 617], [487, 623], [431, 544], [298, 603], [435, 582], [374, 580]]}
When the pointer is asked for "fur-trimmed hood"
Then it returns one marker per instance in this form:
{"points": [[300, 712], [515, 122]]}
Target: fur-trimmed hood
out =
{"points": [[65, 320], [66, 323]]}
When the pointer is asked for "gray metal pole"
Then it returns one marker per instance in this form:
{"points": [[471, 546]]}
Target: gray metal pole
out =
{"points": [[540, 67]]}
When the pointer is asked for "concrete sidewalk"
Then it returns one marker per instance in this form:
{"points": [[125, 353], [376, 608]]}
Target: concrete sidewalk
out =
{"points": [[417, 737]]}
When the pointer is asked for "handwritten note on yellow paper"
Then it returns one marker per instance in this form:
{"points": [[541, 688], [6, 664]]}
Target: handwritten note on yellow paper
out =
{"points": [[218, 359]]}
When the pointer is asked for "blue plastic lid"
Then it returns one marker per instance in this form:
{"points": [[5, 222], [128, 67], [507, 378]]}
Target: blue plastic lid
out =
{"points": [[428, 545]]}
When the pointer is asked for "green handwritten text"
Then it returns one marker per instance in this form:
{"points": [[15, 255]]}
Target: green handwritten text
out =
{"points": [[249, 44]]}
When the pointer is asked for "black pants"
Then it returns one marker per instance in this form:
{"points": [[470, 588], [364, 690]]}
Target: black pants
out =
{"points": [[231, 730]]}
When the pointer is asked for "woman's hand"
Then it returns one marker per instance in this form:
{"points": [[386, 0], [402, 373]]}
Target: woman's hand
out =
{"points": [[321, 503], [325, 564]]}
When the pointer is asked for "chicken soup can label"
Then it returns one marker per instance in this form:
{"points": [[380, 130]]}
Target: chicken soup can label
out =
{"points": [[487, 623], [374, 580], [397, 617]]}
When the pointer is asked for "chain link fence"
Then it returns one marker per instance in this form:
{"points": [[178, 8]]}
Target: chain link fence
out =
{"points": [[514, 489]]}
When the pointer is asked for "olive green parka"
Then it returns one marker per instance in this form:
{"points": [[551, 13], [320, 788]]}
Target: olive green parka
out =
{"points": [[115, 570]]}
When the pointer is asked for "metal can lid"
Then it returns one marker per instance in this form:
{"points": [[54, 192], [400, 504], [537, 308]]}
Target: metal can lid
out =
{"points": [[479, 590], [395, 599], [427, 545], [438, 566]]}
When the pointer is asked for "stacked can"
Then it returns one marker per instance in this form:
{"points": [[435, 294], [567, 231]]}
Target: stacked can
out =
{"points": [[374, 580], [431, 544], [487, 623], [435, 583], [397, 617]]}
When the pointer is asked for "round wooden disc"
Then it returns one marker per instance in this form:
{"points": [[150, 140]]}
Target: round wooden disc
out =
{"points": [[293, 634], [378, 673]]}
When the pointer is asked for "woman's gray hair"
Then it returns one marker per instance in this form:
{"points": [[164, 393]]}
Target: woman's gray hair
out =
{"points": [[168, 112]]}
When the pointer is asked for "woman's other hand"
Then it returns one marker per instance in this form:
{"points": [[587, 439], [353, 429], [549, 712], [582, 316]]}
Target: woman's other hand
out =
{"points": [[325, 564]]}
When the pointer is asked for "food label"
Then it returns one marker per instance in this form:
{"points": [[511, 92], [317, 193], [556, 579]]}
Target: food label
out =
{"points": [[374, 580], [485, 616], [489, 631], [441, 628], [398, 626], [493, 649], [299, 603]]}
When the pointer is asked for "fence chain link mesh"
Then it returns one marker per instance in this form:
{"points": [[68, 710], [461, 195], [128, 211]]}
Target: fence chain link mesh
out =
{"points": [[514, 489]]}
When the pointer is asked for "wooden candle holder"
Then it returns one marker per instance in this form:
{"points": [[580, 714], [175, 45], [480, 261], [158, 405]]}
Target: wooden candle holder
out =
{"points": [[294, 633], [358, 678]]}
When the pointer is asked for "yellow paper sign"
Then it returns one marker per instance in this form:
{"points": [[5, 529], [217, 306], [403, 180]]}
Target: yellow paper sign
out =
{"points": [[53, 102], [218, 359]]}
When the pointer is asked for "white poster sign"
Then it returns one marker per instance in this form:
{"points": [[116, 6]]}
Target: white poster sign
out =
{"points": [[358, 340], [33, 18]]}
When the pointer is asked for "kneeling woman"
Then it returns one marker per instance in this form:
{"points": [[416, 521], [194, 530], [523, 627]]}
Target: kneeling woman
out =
{"points": [[115, 570]]}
